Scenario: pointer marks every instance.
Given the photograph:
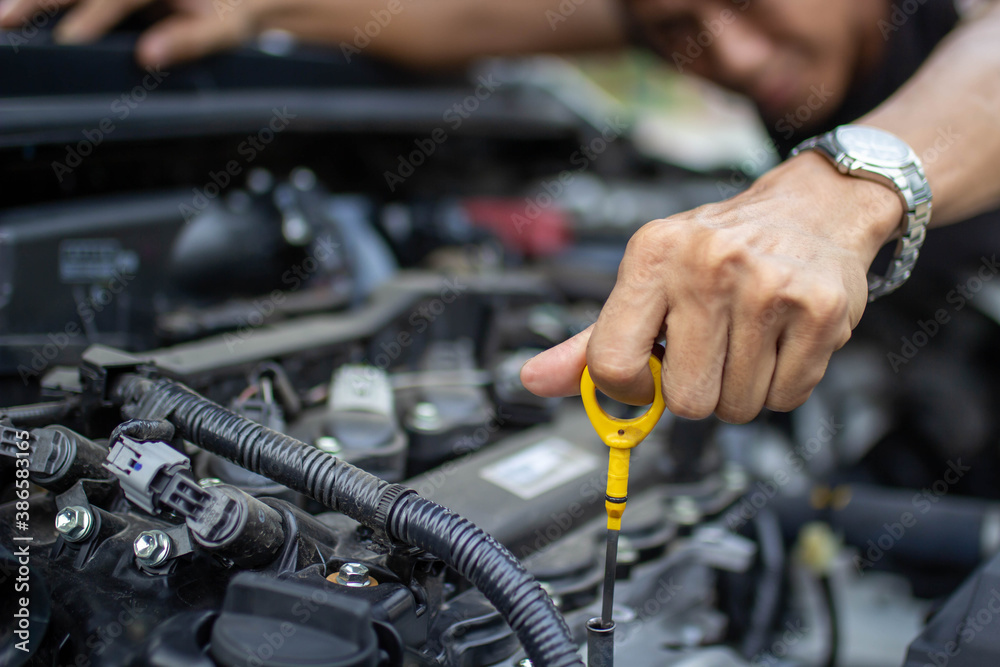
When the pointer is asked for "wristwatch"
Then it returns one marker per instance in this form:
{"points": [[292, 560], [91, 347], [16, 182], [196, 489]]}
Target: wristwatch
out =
{"points": [[877, 155]]}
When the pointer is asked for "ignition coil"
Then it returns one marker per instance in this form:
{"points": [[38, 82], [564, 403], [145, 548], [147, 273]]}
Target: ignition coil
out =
{"points": [[223, 519], [57, 456]]}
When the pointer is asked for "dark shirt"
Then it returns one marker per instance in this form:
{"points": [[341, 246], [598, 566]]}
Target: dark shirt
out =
{"points": [[948, 251], [910, 41], [911, 37]]}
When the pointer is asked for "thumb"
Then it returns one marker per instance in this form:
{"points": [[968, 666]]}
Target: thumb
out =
{"points": [[557, 371]]}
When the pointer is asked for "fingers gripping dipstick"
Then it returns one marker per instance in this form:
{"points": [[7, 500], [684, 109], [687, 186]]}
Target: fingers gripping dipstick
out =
{"points": [[620, 435]]}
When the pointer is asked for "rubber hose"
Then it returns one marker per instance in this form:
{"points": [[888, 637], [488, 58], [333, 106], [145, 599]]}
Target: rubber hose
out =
{"points": [[493, 570], [283, 459], [340, 486], [144, 430], [37, 414], [770, 580]]}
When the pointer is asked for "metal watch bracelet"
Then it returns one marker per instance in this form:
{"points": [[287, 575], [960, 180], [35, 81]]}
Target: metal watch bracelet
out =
{"points": [[913, 190]]}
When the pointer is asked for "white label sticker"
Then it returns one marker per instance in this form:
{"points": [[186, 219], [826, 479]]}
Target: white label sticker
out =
{"points": [[539, 468]]}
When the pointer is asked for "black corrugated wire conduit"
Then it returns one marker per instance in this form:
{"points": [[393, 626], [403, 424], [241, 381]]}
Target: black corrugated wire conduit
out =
{"points": [[389, 509]]}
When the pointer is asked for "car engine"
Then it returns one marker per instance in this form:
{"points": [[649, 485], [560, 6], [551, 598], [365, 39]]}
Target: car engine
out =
{"points": [[262, 322]]}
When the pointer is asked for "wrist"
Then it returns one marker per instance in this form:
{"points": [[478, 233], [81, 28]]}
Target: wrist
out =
{"points": [[856, 213]]}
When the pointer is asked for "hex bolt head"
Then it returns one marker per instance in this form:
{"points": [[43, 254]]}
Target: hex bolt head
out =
{"points": [[425, 417], [354, 575], [74, 523], [152, 547], [734, 477], [685, 511], [627, 553]]}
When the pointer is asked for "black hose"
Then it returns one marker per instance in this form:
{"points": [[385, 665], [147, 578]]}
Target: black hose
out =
{"points": [[387, 508], [144, 430], [770, 580], [493, 570], [38, 414], [833, 622]]}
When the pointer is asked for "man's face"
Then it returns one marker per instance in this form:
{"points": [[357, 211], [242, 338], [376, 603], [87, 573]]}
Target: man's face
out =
{"points": [[777, 52]]}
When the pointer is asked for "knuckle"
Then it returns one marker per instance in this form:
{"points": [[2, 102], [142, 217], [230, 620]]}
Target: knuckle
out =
{"points": [[772, 280], [735, 413], [653, 244], [721, 256], [782, 401], [611, 374], [650, 238], [785, 398], [844, 336], [688, 405], [826, 305]]}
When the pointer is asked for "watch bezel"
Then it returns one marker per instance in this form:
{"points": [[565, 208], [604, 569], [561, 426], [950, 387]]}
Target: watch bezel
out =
{"points": [[906, 178], [847, 145]]}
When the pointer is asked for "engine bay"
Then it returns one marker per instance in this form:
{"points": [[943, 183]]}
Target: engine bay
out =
{"points": [[261, 400]]}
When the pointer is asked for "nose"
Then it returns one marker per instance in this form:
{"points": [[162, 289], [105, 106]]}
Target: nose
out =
{"points": [[741, 52]]}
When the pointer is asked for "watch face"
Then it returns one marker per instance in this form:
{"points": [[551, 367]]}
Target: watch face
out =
{"points": [[874, 146]]}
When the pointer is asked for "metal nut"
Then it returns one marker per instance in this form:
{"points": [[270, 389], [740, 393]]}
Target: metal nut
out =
{"points": [[354, 575], [152, 547], [425, 417], [627, 553], [734, 477], [685, 511], [74, 523]]}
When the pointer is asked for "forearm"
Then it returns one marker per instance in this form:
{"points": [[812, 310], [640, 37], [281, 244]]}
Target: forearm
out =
{"points": [[450, 32], [949, 112]]}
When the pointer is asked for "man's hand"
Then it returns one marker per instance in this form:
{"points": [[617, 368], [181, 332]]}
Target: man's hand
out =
{"points": [[752, 296], [195, 28], [428, 33]]}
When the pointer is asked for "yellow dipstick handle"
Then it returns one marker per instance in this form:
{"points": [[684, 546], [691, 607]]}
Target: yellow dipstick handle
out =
{"points": [[621, 435]]}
